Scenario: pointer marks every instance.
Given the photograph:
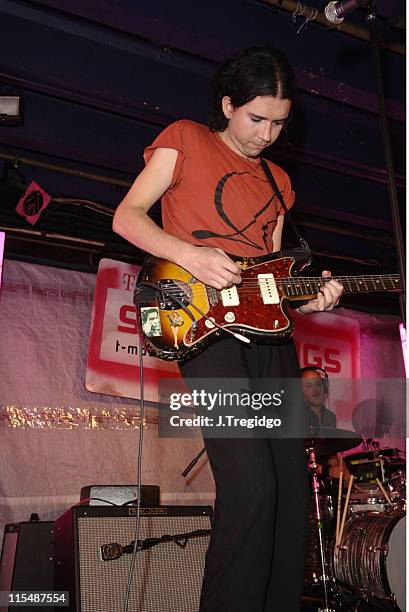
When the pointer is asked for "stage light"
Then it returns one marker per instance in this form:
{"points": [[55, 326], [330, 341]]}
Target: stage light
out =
{"points": [[11, 104]]}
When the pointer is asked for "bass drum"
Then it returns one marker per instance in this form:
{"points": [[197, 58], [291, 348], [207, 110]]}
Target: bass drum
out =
{"points": [[371, 556]]}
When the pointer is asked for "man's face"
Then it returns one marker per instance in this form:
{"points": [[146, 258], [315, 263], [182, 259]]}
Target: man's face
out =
{"points": [[313, 388], [255, 125], [152, 319], [151, 327]]}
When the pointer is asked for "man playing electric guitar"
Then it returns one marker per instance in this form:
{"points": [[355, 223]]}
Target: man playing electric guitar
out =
{"points": [[216, 199]]}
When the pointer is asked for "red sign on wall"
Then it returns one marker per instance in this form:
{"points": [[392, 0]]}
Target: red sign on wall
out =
{"points": [[113, 350], [331, 341]]}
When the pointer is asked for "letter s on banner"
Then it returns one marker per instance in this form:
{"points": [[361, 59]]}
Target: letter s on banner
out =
{"points": [[331, 364], [130, 325]]}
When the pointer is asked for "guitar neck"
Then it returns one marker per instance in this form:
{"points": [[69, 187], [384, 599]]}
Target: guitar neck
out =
{"points": [[302, 288]]}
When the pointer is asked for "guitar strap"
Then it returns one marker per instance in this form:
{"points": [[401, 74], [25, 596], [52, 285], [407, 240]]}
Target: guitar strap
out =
{"points": [[303, 243]]}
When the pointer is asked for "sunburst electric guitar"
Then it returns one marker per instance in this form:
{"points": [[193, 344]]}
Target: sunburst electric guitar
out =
{"points": [[179, 315]]}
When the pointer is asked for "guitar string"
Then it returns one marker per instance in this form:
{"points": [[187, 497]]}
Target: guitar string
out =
{"points": [[283, 288], [321, 280], [265, 285], [256, 290], [299, 284]]}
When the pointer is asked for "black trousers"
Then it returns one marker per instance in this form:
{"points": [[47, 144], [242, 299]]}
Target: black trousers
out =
{"points": [[256, 557]]}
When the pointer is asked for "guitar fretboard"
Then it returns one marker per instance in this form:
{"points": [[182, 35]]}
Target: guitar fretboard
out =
{"points": [[300, 286]]}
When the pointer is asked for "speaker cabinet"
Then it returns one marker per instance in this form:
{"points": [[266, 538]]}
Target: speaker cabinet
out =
{"points": [[27, 558], [167, 575]]}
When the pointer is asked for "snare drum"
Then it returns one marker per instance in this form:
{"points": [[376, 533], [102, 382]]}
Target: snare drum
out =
{"points": [[371, 556]]}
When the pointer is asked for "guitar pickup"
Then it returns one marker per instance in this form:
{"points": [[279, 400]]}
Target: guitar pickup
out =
{"points": [[268, 289], [230, 297]]}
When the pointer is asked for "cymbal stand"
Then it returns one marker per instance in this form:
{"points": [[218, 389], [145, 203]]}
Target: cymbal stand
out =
{"points": [[312, 466]]}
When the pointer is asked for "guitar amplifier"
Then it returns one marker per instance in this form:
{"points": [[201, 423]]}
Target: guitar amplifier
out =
{"points": [[168, 573], [27, 559]]}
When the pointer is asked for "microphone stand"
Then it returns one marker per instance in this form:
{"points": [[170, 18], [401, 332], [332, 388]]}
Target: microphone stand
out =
{"points": [[393, 196]]}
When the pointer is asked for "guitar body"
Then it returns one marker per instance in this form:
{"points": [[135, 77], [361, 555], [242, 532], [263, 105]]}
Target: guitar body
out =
{"points": [[174, 329]]}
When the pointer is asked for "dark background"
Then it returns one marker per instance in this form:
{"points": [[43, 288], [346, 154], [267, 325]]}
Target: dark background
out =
{"points": [[100, 79]]}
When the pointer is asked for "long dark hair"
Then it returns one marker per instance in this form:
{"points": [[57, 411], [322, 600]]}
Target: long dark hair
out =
{"points": [[258, 71]]}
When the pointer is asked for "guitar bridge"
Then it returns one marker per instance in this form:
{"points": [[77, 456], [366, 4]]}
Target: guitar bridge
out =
{"points": [[212, 295]]}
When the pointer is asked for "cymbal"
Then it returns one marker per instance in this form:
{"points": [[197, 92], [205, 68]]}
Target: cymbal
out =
{"points": [[332, 440]]}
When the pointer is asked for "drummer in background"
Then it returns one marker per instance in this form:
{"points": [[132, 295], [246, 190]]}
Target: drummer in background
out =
{"points": [[315, 388]]}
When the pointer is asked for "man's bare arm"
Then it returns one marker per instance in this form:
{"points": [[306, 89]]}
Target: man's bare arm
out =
{"points": [[132, 222]]}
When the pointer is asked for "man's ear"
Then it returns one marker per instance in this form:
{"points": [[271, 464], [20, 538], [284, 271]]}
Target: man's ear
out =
{"points": [[227, 107]]}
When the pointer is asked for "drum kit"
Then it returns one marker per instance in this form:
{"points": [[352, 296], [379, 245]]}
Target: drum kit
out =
{"points": [[356, 552]]}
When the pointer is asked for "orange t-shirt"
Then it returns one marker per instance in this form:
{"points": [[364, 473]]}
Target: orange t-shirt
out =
{"points": [[217, 197]]}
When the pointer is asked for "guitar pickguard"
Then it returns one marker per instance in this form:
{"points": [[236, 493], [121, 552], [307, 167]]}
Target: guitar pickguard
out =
{"points": [[255, 308]]}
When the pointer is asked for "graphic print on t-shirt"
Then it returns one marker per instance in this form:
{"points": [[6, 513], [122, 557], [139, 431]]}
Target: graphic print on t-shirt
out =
{"points": [[224, 200], [239, 233]]}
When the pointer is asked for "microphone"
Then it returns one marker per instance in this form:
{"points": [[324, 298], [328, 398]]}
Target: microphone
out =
{"points": [[335, 12], [112, 551]]}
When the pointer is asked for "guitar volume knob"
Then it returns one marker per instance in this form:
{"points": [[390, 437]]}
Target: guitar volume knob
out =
{"points": [[209, 323], [229, 317]]}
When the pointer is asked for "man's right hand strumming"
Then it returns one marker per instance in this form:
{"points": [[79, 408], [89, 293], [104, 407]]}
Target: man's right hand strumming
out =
{"points": [[211, 266]]}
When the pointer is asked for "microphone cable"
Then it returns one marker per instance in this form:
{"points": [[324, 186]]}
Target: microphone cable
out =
{"points": [[138, 478]]}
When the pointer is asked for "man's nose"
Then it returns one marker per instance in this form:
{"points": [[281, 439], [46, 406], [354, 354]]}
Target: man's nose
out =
{"points": [[265, 133]]}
